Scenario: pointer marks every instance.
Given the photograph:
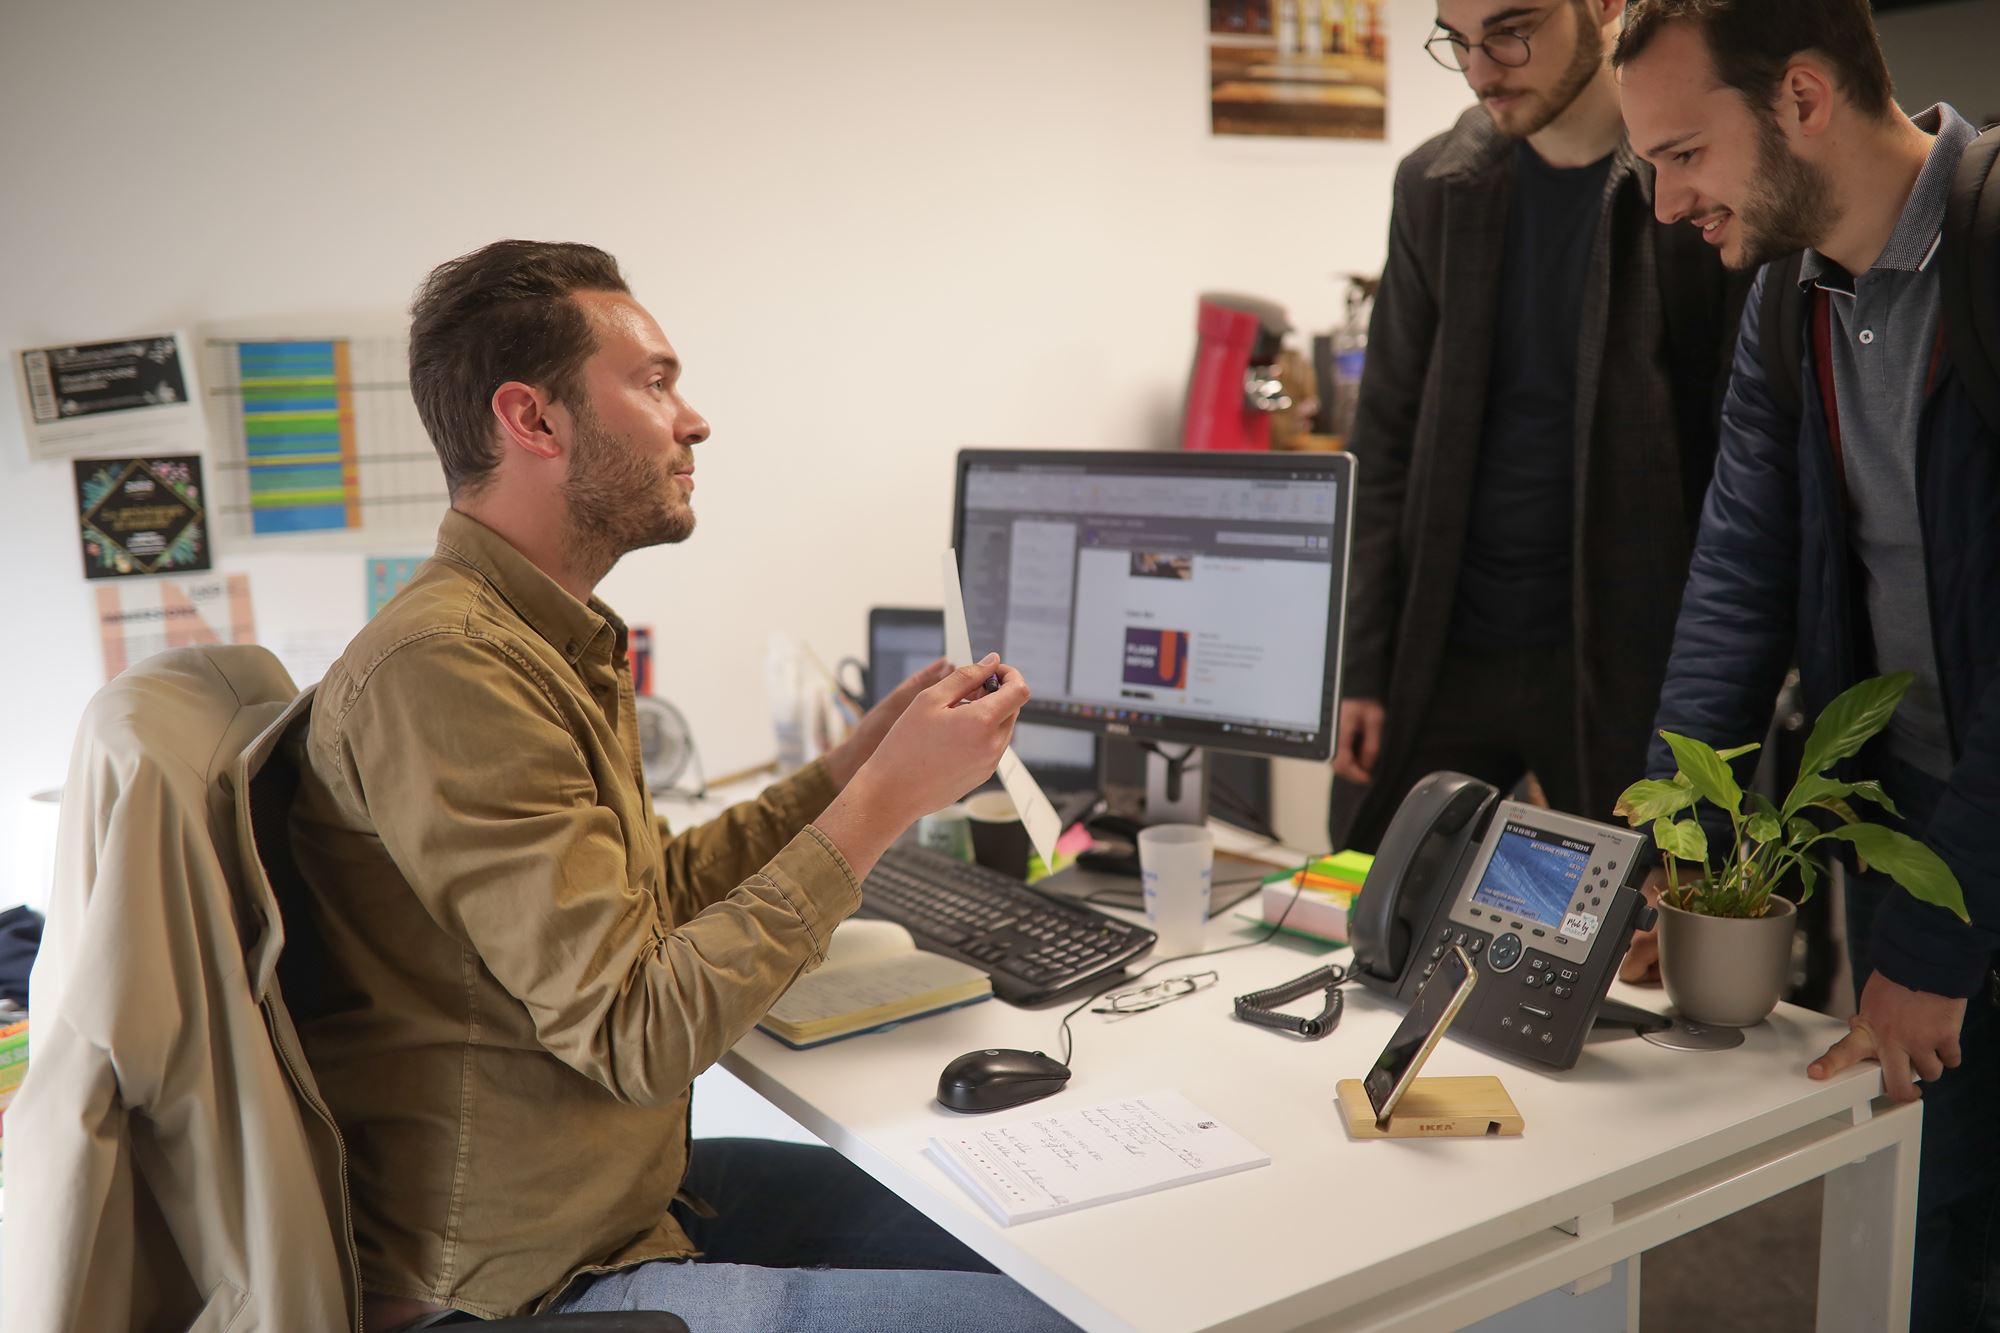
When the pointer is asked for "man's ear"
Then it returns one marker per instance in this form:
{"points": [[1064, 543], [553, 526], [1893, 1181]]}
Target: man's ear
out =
{"points": [[1806, 96], [524, 417], [1609, 13]]}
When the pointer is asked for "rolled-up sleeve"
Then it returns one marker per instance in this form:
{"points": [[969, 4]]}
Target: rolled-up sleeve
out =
{"points": [[705, 863], [504, 837]]}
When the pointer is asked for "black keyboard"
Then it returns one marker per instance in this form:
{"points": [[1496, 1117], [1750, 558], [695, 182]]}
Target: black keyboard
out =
{"points": [[1034, 945]]}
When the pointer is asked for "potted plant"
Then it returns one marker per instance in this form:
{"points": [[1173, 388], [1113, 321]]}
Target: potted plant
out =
{"points": [[1725, 939]]}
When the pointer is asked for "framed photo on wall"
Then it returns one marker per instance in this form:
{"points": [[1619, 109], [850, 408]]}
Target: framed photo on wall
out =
{"points": [[1314, 69]]}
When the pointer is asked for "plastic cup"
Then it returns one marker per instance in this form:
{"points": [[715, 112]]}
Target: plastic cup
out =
{"points": [[1177, 865]]}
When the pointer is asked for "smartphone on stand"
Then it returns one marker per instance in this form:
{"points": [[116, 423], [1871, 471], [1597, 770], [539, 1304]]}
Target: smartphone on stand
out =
{"points": [[1437, 1003]]}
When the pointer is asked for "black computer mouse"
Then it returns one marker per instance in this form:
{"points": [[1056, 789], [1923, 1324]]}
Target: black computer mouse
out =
{"points": [[993, 1080]]}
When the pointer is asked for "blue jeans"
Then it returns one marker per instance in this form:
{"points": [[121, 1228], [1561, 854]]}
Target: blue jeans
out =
{"points": [[1957, 1279], [802, 1240]]}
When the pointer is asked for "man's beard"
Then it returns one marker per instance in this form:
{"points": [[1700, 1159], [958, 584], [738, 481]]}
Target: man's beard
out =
{"points": [[616, 500], [1791, 206], [1584, 63]]}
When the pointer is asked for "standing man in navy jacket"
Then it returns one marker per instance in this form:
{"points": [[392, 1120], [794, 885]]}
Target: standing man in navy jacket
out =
{"points": [[1862, 532]]}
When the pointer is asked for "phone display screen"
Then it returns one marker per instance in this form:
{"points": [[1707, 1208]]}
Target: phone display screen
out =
{"points": [[1436, 1004], [1533, 873]]}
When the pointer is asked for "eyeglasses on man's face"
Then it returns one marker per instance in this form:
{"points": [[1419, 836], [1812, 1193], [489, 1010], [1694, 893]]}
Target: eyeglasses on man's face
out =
{"points": [[1503, 46]]}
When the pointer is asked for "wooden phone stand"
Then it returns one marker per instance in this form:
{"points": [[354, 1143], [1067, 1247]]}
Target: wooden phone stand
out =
{"points": [[1435, 1108]]}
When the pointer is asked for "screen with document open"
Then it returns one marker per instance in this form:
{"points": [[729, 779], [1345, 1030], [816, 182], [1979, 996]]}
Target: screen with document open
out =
{"points": [[1176, 596]]}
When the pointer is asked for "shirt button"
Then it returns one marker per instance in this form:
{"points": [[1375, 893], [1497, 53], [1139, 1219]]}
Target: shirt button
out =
{"points": [[1867, 336]]}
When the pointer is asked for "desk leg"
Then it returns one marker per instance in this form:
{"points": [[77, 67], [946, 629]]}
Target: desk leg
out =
{"points": [[1868, 1239]]}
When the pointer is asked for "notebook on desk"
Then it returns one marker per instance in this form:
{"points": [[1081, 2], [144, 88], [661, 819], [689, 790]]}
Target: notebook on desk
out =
{"points": [[874, 978]]}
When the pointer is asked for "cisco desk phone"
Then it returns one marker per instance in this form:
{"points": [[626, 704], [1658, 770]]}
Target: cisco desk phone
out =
{"points": [[1543, 902]]}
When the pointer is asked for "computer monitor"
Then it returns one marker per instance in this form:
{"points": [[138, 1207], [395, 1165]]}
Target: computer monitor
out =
{"points": [[1191, 598]]}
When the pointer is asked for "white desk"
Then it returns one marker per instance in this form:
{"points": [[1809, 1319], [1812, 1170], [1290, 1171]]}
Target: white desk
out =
{"points": [[1633, 1147]]}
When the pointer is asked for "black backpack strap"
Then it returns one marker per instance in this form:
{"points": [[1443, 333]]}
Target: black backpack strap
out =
{"points": [[1781, 325], [1969, 260], [1700, 305]]}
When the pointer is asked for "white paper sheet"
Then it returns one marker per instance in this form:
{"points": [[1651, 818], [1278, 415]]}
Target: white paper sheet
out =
{"points": [[1043, 823], [1042, 1165]]}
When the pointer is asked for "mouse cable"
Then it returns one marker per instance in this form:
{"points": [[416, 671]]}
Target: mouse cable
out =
{"points": [[1124, 978]]}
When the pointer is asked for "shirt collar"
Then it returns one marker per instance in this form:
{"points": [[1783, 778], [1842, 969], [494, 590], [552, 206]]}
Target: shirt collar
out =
{"points": [[569, 626], [1915, 239]]}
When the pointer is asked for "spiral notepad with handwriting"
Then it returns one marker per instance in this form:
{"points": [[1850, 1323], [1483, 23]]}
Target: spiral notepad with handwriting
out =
{"points": [[1057, 1162]]}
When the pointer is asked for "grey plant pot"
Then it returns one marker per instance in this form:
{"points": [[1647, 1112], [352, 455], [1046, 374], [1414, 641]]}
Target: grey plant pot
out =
{"points": [[1726, 971]]}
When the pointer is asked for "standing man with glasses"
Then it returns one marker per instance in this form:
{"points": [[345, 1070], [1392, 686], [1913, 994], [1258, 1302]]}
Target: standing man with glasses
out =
{"points": [[1535, 429]]}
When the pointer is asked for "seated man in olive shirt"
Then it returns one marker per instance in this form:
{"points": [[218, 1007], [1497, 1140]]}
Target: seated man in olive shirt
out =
{"points": [[525, 969]]}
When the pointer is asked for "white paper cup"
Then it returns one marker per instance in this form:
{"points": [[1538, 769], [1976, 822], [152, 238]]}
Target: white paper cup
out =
{"points": [[1176, 864]]}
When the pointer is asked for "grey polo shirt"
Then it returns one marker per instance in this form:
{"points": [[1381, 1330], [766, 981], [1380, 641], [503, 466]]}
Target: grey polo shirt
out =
{"points": [[1884, 326]]}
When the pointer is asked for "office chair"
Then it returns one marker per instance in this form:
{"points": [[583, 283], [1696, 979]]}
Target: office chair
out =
{"points": [[173, 1163]]}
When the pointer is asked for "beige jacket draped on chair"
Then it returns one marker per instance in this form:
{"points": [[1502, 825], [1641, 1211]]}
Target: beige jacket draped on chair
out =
{"points": [[169, 1162]]}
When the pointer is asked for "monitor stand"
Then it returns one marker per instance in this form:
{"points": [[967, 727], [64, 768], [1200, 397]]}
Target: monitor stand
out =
{"points": [[1143, 787], [1160, 784]]}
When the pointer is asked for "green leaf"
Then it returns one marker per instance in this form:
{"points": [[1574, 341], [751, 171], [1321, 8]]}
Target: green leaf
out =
{"points": [[1764, 827], [1850, 720], [1706, 771], [1872, 791], [1811, 790], [1799, 831], [1911, 864], [1840, 808], [1808, 879], [1647, 800], [1685, 840], [1737, 751]]}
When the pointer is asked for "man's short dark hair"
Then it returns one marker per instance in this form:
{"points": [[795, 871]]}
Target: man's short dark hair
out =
{"points": [[501, 313], [1751, 42]]}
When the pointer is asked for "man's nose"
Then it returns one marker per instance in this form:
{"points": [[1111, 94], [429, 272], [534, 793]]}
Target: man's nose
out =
{"points": [[1672, 200], [1480, 68], [691, 429]]}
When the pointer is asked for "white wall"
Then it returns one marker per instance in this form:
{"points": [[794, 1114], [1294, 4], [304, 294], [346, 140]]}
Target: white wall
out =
{"points": [[877, 231]]}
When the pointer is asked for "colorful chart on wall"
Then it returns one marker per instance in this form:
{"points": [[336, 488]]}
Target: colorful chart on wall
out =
{"points": [[386, 576], [318, 435]]}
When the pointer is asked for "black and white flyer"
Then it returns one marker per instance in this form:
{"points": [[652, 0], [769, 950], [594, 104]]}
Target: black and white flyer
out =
{"points": [[143, 393]]}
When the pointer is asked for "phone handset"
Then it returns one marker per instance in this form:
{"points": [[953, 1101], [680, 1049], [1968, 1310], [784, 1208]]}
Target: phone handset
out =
{"points": [[1423, 846]]}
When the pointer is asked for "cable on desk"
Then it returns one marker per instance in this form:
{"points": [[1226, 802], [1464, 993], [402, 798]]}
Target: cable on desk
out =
{"points": [[1270, 932], [1261, 1007]]}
